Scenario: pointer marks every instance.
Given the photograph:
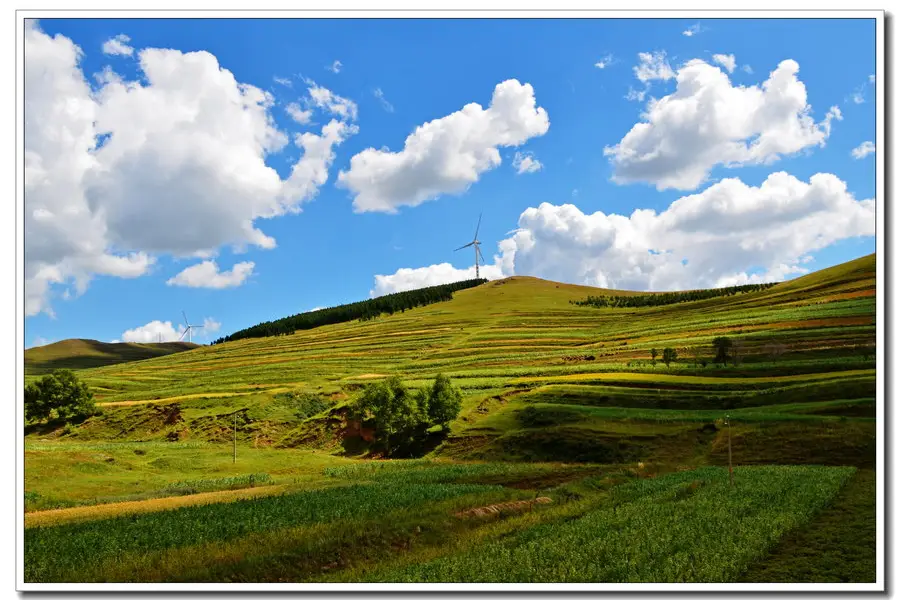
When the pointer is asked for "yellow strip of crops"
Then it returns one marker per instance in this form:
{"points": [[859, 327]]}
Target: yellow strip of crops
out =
{"points": [[61, 516], [665, 378]]}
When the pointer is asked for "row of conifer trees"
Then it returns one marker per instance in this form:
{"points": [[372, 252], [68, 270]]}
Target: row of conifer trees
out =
{"points": [[363, 311], [664, 298]]}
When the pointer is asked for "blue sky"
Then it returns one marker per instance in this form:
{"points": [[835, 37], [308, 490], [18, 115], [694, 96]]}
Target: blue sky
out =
{"points": [[331, 251]]}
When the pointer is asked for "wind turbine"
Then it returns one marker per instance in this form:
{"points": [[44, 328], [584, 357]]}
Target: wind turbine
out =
{"points": [[475, 243], [187, 331]]}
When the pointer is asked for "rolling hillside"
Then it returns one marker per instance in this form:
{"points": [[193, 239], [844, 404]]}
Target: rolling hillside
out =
{"points": [[87, 354], [573, 448], [517, 344]]}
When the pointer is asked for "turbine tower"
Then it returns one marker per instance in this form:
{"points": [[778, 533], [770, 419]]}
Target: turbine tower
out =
{"points": [[187, 332], [476, 244]]}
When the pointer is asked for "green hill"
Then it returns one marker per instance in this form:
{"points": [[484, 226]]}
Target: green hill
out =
{"points": [[576, 456], [543, 379], [87, 354]]}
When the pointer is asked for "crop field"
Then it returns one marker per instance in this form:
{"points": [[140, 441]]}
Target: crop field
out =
{"points": [[563, 403]]}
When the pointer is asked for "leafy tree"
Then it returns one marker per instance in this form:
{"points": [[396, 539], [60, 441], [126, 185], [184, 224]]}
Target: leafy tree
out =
{"points": [[59, 394], [401, 416], [722, 346], [444, 402], [394, 410], [653, 353], [668, 355]]}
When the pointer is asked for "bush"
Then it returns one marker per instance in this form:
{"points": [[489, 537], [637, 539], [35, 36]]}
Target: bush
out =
{"points": [[58, 395]]}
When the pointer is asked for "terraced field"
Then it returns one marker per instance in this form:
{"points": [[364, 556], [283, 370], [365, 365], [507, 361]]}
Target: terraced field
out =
{"points": [[559, 400]]}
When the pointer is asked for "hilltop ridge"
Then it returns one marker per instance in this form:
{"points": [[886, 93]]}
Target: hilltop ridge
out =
{"points": [[80, 353]]}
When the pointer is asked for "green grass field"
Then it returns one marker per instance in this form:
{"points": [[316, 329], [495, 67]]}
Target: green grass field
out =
{"points": [[559, 401]]}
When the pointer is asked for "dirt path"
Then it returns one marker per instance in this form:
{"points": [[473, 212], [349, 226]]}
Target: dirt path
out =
{"points": [[60, 516]]}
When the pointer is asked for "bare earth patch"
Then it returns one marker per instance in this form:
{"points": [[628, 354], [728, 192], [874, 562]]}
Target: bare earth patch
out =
{"points": [[494, 509]]}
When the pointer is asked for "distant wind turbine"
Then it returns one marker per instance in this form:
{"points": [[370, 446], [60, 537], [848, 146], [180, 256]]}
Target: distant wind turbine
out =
{"points": [[187, 332], [475, 243]]}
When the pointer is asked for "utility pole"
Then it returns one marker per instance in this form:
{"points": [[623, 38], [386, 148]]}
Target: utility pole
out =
{"points": [[730, 470], [234, 441]]}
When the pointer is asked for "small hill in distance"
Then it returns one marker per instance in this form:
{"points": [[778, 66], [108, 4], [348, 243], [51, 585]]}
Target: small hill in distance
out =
{"points": [[86, 354]]}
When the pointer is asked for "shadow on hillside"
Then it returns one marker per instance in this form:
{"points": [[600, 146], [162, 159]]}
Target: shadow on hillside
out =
{"points": [[355, 446]]}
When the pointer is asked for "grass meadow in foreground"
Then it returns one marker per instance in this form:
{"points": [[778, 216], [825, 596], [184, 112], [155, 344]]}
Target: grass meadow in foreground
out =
{"points": [[686, 527]]}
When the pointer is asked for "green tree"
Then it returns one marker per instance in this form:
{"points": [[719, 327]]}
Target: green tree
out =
{"points": [[59, 394], [653, 354], [394, 410], [722, 346], [669, 354], [444, 402]]}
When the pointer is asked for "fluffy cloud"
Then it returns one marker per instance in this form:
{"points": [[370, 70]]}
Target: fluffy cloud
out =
{"points": [[706, 122], [726, 60], [173, 162], [207, 275], [296, 112], [335, 67], [713, 238], [412, 279], [525, 162], [152, 332], [447, 155], [156, 331], [118, 45], [863, 150]]}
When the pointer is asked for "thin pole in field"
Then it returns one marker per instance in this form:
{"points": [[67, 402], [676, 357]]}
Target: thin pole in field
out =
{"points": [[730, 470], [234, 441]]}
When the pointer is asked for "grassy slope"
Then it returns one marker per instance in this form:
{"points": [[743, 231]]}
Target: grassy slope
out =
{"points": [[516, 348], [506, 337], [86, 354]]}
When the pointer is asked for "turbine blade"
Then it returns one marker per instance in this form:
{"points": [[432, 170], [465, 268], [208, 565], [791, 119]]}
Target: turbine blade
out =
{"points": [[185, 318], [183, 333], [481, 255], [466, 246], [477, 227]]}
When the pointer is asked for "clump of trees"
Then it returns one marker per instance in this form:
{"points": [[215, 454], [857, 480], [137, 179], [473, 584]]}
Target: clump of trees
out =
{"points": [[402, 417], [58, 396], [363, 311], [669, 355], [642, 300]]}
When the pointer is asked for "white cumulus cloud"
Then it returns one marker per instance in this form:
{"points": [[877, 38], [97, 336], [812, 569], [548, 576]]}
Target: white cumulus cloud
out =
{"points": [[172, 162], [412, 279], [525, 162], [118, 45], [863, 150], [716, 237], [335, 67], [153, 332], [707, 121], [446, 155], [207, 275]]}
